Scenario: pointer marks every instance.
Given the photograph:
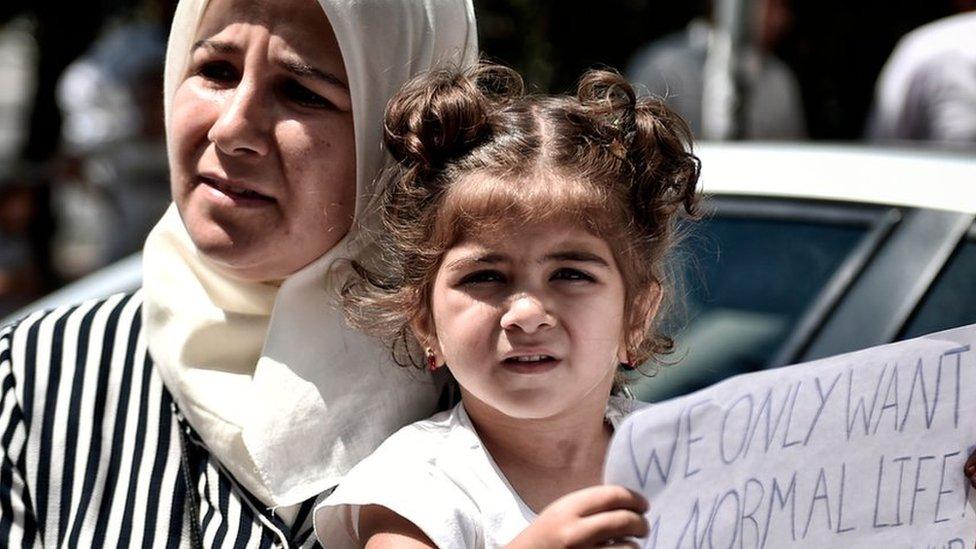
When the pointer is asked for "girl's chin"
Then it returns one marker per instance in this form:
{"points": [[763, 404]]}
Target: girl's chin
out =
{"points": [[544, 397], [528, 406]]}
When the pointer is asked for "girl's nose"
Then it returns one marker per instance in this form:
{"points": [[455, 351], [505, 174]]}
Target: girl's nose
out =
{"points": [[527, 313], [243, 127]]}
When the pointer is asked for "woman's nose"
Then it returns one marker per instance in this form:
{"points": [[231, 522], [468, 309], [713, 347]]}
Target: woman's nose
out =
{"points": [[243, 127], [527, 313]]}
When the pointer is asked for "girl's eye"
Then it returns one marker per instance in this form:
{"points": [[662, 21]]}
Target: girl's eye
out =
{"points": [[567, 273], [304, 96], [482, 277], [218, 71]]}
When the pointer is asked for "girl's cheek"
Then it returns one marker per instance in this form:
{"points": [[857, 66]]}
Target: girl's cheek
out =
{"points": [[477, 327]]}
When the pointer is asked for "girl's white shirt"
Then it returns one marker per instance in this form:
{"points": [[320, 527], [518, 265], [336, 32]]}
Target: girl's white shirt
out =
{"points": [[437, 474], [283, 393]]}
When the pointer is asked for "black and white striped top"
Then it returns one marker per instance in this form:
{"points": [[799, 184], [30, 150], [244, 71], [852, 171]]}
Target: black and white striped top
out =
{"points": [[94, 453]]}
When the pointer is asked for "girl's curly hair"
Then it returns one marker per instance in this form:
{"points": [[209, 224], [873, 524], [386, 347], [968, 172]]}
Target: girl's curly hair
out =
{"points": [[474, 153]]}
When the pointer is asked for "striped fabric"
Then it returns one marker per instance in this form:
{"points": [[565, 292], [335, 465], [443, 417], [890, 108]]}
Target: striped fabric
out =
{"points": [[91, 451]]}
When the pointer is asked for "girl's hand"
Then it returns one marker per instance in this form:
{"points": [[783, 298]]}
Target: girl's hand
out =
{"points": [[600, 516], [970, 468]]}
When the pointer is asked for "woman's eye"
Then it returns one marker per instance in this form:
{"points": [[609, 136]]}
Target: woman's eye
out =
{"points": [[304, 96], [571, 274], [218, 71], [482, 277]]}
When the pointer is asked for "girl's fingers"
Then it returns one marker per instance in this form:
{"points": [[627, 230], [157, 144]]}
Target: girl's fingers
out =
{"points": [[622, 545], [970, 469], [611, 525], [598, 499]]}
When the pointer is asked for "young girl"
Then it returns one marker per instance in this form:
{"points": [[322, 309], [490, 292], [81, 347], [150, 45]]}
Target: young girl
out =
{"points": [[526, 238]]}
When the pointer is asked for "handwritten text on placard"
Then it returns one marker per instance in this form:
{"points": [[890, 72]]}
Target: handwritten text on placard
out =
{"points": [[855, 450]]}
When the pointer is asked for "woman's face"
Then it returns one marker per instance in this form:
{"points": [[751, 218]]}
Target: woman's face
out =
{"points": [[262, 148]]}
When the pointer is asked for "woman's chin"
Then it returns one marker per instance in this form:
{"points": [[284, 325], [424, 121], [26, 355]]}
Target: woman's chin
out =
{"points": [[256, 248], [241, 258]]}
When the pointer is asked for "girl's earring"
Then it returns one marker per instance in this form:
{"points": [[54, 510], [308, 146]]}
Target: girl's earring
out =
{"points": [[431, 359], [629, 365]]}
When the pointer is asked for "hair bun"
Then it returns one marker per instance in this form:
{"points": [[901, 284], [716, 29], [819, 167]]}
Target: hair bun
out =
{"points": [[434, 118], [664, 161], [606, 94], [655, 141]]}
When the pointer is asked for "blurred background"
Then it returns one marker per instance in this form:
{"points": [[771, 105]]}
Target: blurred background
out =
{"points": [[82, 159], [834, 48], [83, 168]]}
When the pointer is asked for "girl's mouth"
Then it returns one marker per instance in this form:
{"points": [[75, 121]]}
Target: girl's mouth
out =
{"points": [[530, 364], [529, 358]]}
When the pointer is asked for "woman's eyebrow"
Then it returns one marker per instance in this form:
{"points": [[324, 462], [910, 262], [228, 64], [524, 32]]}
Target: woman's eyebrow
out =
{"points": [[292, 65], [302, 69], [215, 45]]}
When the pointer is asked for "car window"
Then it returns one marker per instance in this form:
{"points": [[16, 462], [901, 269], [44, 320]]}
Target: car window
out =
{"points": [[951, 301], [748, 278]]}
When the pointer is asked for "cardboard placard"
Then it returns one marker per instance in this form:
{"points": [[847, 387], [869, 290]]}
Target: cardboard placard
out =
{"points": [[857, 450]]}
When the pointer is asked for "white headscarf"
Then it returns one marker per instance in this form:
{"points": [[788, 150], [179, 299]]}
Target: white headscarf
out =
{"points": [[284, 394]]}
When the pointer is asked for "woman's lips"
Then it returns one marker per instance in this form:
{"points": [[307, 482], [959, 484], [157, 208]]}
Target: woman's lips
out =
{"points": [[228, 193]]}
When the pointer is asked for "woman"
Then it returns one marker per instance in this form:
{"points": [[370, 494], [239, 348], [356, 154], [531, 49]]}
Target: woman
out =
{"points": [[213, 406]]}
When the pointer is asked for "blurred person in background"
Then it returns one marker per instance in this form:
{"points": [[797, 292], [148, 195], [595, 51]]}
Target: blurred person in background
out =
{"points": [[927, 89], [674, 69], [27, 222], [90, 177], [113, 142]]}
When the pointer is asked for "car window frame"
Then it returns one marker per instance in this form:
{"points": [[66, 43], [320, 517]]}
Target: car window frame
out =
{"points": [[966, 237], [878, 304], [878, 221]]}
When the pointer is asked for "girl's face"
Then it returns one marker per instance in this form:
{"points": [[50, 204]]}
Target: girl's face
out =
{"points": [[530, 322], [261, 142]]}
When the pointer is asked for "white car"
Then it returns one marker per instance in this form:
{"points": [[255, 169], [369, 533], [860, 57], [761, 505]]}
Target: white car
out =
{"points": [[809, 251]]}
